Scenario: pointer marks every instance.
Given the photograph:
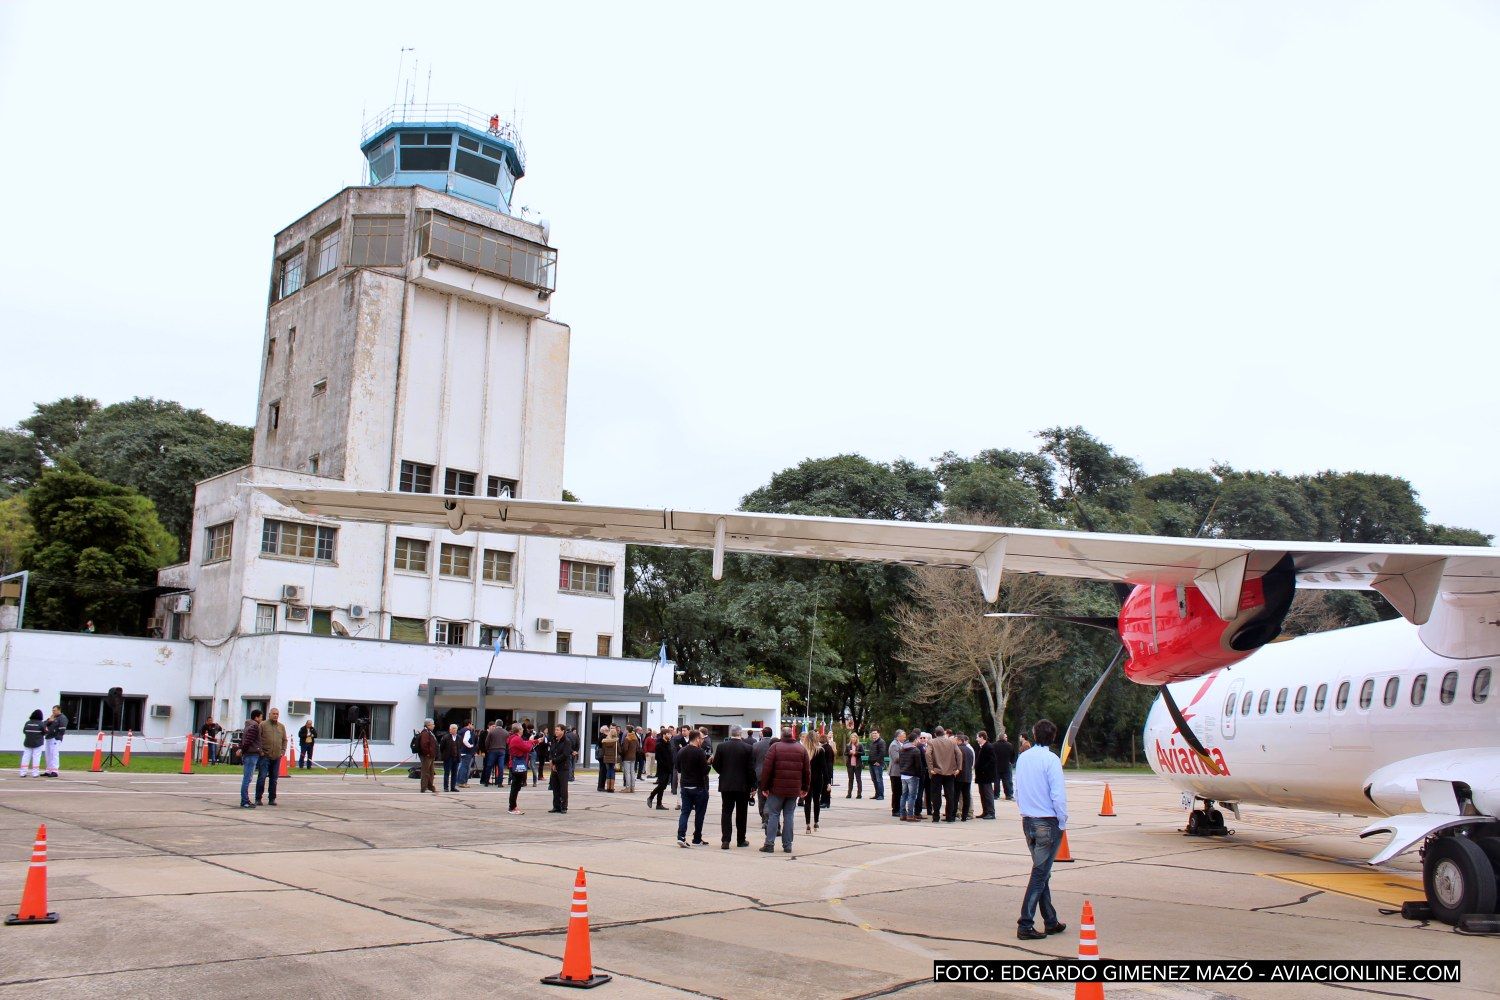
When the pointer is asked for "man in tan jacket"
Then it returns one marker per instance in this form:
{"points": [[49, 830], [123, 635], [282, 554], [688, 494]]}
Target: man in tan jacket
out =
{"points": [[944, 760], [272, 749]]}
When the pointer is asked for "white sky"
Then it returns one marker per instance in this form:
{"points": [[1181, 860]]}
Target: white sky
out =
{"points": [[1257, 233]]}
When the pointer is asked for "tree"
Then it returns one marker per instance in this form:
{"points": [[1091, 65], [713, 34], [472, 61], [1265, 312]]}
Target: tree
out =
{"points": [[16, 534], [95, 553], [55, 427], [161, 450], [952, 648], [20, 462]]}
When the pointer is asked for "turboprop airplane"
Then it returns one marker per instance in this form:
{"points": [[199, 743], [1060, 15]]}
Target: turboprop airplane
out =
{"points": [[1393, 719]]}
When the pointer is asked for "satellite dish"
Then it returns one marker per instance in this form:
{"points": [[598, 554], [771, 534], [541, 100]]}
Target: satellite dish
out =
{"points": [[338, 629]]}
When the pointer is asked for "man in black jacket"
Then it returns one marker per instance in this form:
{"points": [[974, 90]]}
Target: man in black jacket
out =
{"points": [[678, 742], [664, 772], [734, 760], [1005, 759], [561, 753], [965, 778], [876, 749], [986, 773], [692, 773]]}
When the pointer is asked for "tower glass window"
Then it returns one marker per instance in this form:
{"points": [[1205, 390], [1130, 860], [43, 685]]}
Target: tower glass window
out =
{"points": [[415, 478], [289, 270], [326, 251], [376, 240]]}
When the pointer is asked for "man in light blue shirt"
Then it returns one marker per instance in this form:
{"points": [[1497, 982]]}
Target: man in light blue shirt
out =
{"points": [[1043, 802]]}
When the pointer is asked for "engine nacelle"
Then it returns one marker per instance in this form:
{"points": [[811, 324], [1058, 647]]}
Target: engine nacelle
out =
{"points": [[1172, 633]]}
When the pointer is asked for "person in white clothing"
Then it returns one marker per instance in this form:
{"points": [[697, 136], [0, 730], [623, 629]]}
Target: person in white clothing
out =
{"points": [[31, 744], [53, 731]]}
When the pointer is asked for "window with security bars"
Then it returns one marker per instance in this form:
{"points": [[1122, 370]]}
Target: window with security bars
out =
{"points": [[458, 483], [411, 554], [326, 251], [449, 633], [499, 566], [585, 578], [505, 489], [377, 240], [217, 541], [456, 560], [295, 540], [415, 478], [289, 271]]}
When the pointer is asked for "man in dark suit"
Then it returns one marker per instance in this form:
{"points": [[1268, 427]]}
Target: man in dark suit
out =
{"points": [[1005, 759], [986, 773], [734, 760], [965, 778], [560, 750]]}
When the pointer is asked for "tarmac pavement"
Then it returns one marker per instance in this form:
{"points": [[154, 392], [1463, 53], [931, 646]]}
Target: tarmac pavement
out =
{"points": [[361, 887]]}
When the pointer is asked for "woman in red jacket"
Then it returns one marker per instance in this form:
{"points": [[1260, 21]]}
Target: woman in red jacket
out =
{"points": [[519, 748]]}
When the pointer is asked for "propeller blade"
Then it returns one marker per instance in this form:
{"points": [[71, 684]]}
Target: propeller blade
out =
{"points": [[1083, 707], [1188, 735]]}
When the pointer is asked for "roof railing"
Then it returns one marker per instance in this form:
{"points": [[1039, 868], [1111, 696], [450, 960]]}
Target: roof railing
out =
{"points": [[445, 114]]}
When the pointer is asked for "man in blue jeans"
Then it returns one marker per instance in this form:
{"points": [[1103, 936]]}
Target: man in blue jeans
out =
{"points": [[785, 779], [692, 768], [1043, 802], [877, 748], [249, 757]]}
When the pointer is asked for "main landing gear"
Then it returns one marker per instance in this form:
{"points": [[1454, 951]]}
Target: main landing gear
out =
{"points": [[1205, 820], [1459, 878]]}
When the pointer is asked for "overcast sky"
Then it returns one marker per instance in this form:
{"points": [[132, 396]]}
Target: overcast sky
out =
{"points": [[1259, 233]]}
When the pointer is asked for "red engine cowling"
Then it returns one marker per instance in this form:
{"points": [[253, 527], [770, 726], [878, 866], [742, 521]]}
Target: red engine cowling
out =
{"points": [[1173, 633]]}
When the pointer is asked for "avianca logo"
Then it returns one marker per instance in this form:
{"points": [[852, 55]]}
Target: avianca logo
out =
{"points": [[1173, 759], [1197, 697]]}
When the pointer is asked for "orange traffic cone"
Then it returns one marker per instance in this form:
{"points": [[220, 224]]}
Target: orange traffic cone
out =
{"points": [[126, 759], [281, 768], [203, 752], [1108, 808], [98, 764], [578, 965], [34, 896], [1088, 951], [187, 755], [1063, 854]]}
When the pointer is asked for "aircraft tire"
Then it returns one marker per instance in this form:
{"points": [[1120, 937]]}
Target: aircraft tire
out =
{"points": [[1458, 878], [1215, 820], [1491, 848], [1195, 823]]}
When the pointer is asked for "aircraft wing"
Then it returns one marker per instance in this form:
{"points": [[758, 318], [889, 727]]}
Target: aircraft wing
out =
{"points": [[1409, 576]]}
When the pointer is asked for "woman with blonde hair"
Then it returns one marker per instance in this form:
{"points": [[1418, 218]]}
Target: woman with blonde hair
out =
{"points": [[851, 761], [821, 756]]}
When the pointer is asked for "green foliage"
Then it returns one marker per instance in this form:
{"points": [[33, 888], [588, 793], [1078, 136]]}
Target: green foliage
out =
{"points": [[16, 534], [96, 549], [20, 461], [56, 427], [161, 450]]}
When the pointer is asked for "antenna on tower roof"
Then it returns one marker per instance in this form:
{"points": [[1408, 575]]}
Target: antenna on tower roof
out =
{"points": [[400, 65]]}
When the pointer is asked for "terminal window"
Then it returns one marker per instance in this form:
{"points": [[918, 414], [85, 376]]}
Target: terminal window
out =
{"points": [[411, 555], [298, 541], [334, 719], [217, 541], [92, 711], [503, 488], [449, 633], [498, 565], [415, 478], [601, 648], [408, 630], [585, 578], [265, 618], [565, 642], [456, 560]]}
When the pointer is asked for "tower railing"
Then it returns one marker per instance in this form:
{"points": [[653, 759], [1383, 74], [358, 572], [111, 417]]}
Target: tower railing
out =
{"points": [[444, 114]]}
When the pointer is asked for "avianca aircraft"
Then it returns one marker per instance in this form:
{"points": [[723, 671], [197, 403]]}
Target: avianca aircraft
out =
{"points": [[1394, 719]]}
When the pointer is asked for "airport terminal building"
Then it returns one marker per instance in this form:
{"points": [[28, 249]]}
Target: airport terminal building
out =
{"points": [[408, 346]]}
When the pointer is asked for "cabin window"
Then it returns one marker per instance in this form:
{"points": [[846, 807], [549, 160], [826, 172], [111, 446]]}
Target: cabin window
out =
{"points": [[1449, 687], [1392, 688], [1281, 701], [1481, 690], [1321, 698], [1367, 692], [1301, 701], [1245, 705], [1229, 704], [1264, 703], [1341, 700], [1418, 689]]}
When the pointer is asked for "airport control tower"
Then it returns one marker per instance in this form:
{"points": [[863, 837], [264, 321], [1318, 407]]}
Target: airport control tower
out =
{"points": [[446, 147], [408, 347]]}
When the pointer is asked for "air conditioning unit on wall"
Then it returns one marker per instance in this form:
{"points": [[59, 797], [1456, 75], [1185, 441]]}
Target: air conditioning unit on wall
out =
{"points": [[296, 614], [183, 604], [357, 611], [161, 711], [299, 708], [544, 624], [291, 593]]}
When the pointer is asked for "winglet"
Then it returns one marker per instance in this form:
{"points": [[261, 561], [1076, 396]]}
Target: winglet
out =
{"points": [[1415, 592], [989, 567], [1221, 586]]}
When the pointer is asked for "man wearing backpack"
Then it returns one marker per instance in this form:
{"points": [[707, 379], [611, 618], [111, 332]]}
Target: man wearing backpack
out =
{"points": [[425, 745]]}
